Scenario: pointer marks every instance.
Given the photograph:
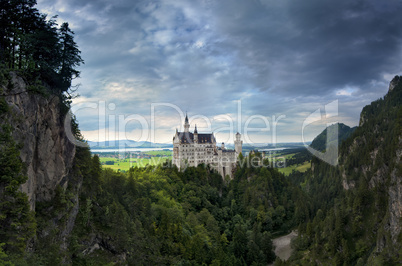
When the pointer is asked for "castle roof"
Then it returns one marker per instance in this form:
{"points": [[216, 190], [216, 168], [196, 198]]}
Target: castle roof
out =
{"points": [[225, 150], [206, 138], [188, 137]]}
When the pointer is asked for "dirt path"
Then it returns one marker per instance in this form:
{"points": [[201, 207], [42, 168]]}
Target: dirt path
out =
{"points": [[282, 245]]}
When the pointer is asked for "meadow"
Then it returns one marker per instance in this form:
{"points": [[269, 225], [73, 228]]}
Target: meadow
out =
{"points": [[301, 168], [124, 164], [288, 169]]}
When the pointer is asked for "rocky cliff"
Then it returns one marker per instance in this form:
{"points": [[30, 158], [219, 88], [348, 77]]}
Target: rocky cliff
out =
{"points": [[361, 197], [38, 127], [373, 155]]}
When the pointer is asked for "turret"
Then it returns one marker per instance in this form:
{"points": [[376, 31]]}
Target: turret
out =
{"points": [[186, 125], [223, 145], [238, 143], [195, 135], [176, 138]]}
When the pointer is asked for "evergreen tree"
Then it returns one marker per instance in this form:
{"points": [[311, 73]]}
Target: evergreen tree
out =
{"points": [[70, 57], [17, 224], [33, 44]]}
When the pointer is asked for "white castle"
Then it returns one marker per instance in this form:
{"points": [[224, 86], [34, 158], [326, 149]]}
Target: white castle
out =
{"points": [[192, 149]]}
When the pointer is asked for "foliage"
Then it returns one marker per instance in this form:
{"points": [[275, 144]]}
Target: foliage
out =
{"points": [[352, 226], [332, 134], [17, 224], [301, 156], [160, 215], [3, 105], [36, 47]]}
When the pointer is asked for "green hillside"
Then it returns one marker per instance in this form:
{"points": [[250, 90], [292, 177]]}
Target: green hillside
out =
{"points": [[336, 132], [355, 206]]}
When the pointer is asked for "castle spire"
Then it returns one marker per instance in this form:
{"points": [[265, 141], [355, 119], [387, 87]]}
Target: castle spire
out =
{"points": [[195, 130], [186, 124]]}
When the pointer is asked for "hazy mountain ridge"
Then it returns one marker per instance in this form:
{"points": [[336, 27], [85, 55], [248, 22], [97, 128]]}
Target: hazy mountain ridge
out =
{"points": [[115, 144]]}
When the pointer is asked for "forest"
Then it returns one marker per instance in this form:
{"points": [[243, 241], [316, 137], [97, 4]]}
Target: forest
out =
{"points": [[159, 215], [352, 215]]}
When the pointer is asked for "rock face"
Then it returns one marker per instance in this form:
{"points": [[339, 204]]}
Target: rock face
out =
{"points": [[376, 153], [395, 199], [46, 151], [394, 82]]}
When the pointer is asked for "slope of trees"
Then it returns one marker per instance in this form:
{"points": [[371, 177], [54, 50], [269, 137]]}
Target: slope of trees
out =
{"points": [[36, 47], [159, 215], [343, 132], [351, 203], [17, 222]]}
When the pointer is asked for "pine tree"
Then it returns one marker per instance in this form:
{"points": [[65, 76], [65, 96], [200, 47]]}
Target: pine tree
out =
{"points": [[17, 224], [70, 57]]}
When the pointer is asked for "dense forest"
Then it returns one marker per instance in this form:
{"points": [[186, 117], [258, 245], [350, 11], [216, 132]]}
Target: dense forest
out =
{"points": [[354, 206], [335, 133], [158, 215]]}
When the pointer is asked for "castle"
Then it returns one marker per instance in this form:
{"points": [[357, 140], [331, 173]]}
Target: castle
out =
{"points": [[192, 149]]}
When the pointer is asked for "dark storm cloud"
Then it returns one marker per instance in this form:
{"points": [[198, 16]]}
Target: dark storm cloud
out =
{"points": [[278, 57], [311, 47]]}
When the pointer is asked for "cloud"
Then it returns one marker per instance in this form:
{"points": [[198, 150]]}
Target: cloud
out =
{"points": [[277, 57]]}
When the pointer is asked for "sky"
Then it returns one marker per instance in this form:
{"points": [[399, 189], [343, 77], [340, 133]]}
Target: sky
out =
{"points": [[258, 67]]}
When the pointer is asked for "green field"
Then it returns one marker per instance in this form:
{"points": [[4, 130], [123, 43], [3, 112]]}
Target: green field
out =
{"points": [[301, 168], [156, 153], [125, 164], [281, 155]]}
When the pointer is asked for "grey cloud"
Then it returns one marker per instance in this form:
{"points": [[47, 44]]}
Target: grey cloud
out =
{"points": [[315, 47], [278, 57]]}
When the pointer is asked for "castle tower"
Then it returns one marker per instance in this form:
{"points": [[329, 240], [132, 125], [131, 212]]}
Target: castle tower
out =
{"points": [[238, 143], [186, 125], [195, 135]]}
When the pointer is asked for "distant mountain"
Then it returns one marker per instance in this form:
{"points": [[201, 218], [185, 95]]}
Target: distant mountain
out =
{"points": [[320, 142], [114, 144], [262, 146]]}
